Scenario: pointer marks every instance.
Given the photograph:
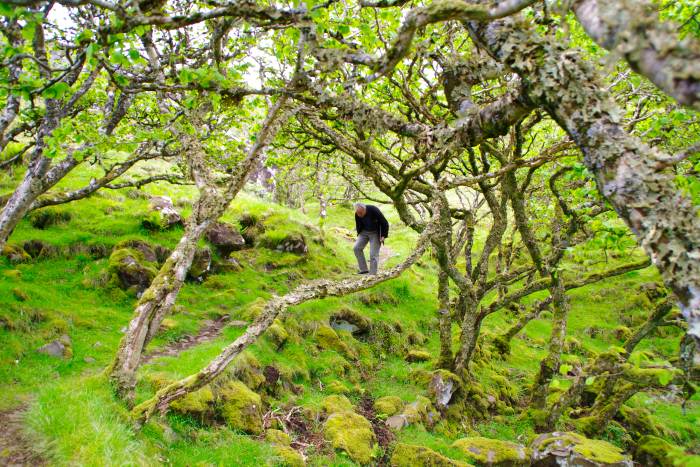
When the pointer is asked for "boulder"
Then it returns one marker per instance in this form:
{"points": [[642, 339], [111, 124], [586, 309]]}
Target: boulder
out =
{"points": [[572, 449], [59, 348], [241, 408], [443, 385], [288, 242], [336, 403], [409, 455], [352, 433], [130, 270], [277, 334], [388, 405], [148, 252], [493, 452], [277, 437], [201, 264], [15, 254], [163, 214], [654, 451], [414, 356], [225, 237]]}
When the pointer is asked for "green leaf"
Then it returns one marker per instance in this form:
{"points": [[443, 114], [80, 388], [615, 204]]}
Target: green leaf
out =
{"points": [[590, 380], [56, 90], [665, 377], [564, 369]]}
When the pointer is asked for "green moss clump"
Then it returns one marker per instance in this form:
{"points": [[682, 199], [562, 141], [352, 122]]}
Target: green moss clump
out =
{"points": [[47, 217], [129, 269], [652, 450], [328, 339], [388, 405], [277, 334], [493, 452], [337, 387], [241, 408], [335, 403], [246, 369], [408, 455], [277, 437], [20, 295], [359, 323], [351, 433], [254, 309], [415, 355], [288, 457], [198, 403]]}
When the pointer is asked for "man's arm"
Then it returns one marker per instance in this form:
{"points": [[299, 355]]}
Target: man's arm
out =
{"points": [[384, 224], [357, 224]]}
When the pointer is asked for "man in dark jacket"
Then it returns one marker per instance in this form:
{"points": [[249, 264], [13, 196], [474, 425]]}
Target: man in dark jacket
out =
{"points": [[372, 227]]}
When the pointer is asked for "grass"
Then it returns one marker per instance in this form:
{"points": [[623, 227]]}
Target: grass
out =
{"points": [[75, 419]]}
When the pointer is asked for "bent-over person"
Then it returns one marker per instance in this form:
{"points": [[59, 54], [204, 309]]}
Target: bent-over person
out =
{"points": [[372, 227]]}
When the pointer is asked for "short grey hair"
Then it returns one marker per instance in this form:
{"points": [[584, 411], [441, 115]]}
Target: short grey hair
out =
{"points": [[358, 206]]}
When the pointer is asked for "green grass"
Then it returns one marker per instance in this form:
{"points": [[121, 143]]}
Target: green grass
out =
{"points": [[75, 419]]}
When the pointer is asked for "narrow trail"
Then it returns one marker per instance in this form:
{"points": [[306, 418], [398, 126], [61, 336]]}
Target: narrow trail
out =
{"points": [[211, 330], [15, 448]]}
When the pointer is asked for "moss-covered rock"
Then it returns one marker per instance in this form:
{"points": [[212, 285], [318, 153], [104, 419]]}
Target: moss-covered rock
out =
{"points": [[162, 215], [419, 411], [352, 433], [201, 264], [335, 403], [241, 408], [415, 355], [288, 457], [46, 217], [654, 451], [409, 455], [148, 252], [277, 437], [129, 269], [493, 452], [328, 339], [388, 405], [568, 448], [247, 369], [638, 422], [197, 404]]}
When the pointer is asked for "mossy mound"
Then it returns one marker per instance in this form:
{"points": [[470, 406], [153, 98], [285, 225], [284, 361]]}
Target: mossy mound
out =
{"points": [[46, 217], [288, 457], [576, 449], [335, 403], [148, 251], [247, 369], [328, 339], [493, 452], [443, 385], [388, 405], [241, 408], [654, 451], [277, 334], [278, 437], [415, 355], [419, 411], [197, 404], [337, 387], [409, 455], [352, 433]]}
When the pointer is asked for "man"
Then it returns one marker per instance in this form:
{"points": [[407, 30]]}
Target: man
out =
{"points": [[371, 227]]}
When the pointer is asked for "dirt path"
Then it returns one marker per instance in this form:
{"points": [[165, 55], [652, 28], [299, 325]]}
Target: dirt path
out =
{"points": [[15, 448], [209, 331]]}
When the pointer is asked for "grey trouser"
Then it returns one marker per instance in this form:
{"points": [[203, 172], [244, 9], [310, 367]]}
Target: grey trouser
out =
{"points": [[360, 244]]}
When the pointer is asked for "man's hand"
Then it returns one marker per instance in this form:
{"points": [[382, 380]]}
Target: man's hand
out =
{"points": [[381, 240]]}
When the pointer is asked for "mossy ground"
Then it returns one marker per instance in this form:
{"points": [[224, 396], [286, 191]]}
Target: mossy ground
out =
{"points": [[74, 418]]}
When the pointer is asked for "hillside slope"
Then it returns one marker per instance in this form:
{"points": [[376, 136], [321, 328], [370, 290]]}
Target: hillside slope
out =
{"points": [[326, 375]]}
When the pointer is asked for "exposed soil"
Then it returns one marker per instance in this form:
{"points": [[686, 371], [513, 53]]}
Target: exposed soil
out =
{"points": [[209, 331], [384, 435], [15, 448]]}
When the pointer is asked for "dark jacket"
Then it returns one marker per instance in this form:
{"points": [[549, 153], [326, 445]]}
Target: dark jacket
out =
{"points": [[376, 218]]}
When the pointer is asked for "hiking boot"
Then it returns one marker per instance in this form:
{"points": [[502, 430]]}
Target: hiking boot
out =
{"points": [[362, 272]]}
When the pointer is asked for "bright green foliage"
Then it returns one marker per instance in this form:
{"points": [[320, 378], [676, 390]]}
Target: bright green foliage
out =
{"points": [[388, 405], [197, 404], [335, 404]]}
